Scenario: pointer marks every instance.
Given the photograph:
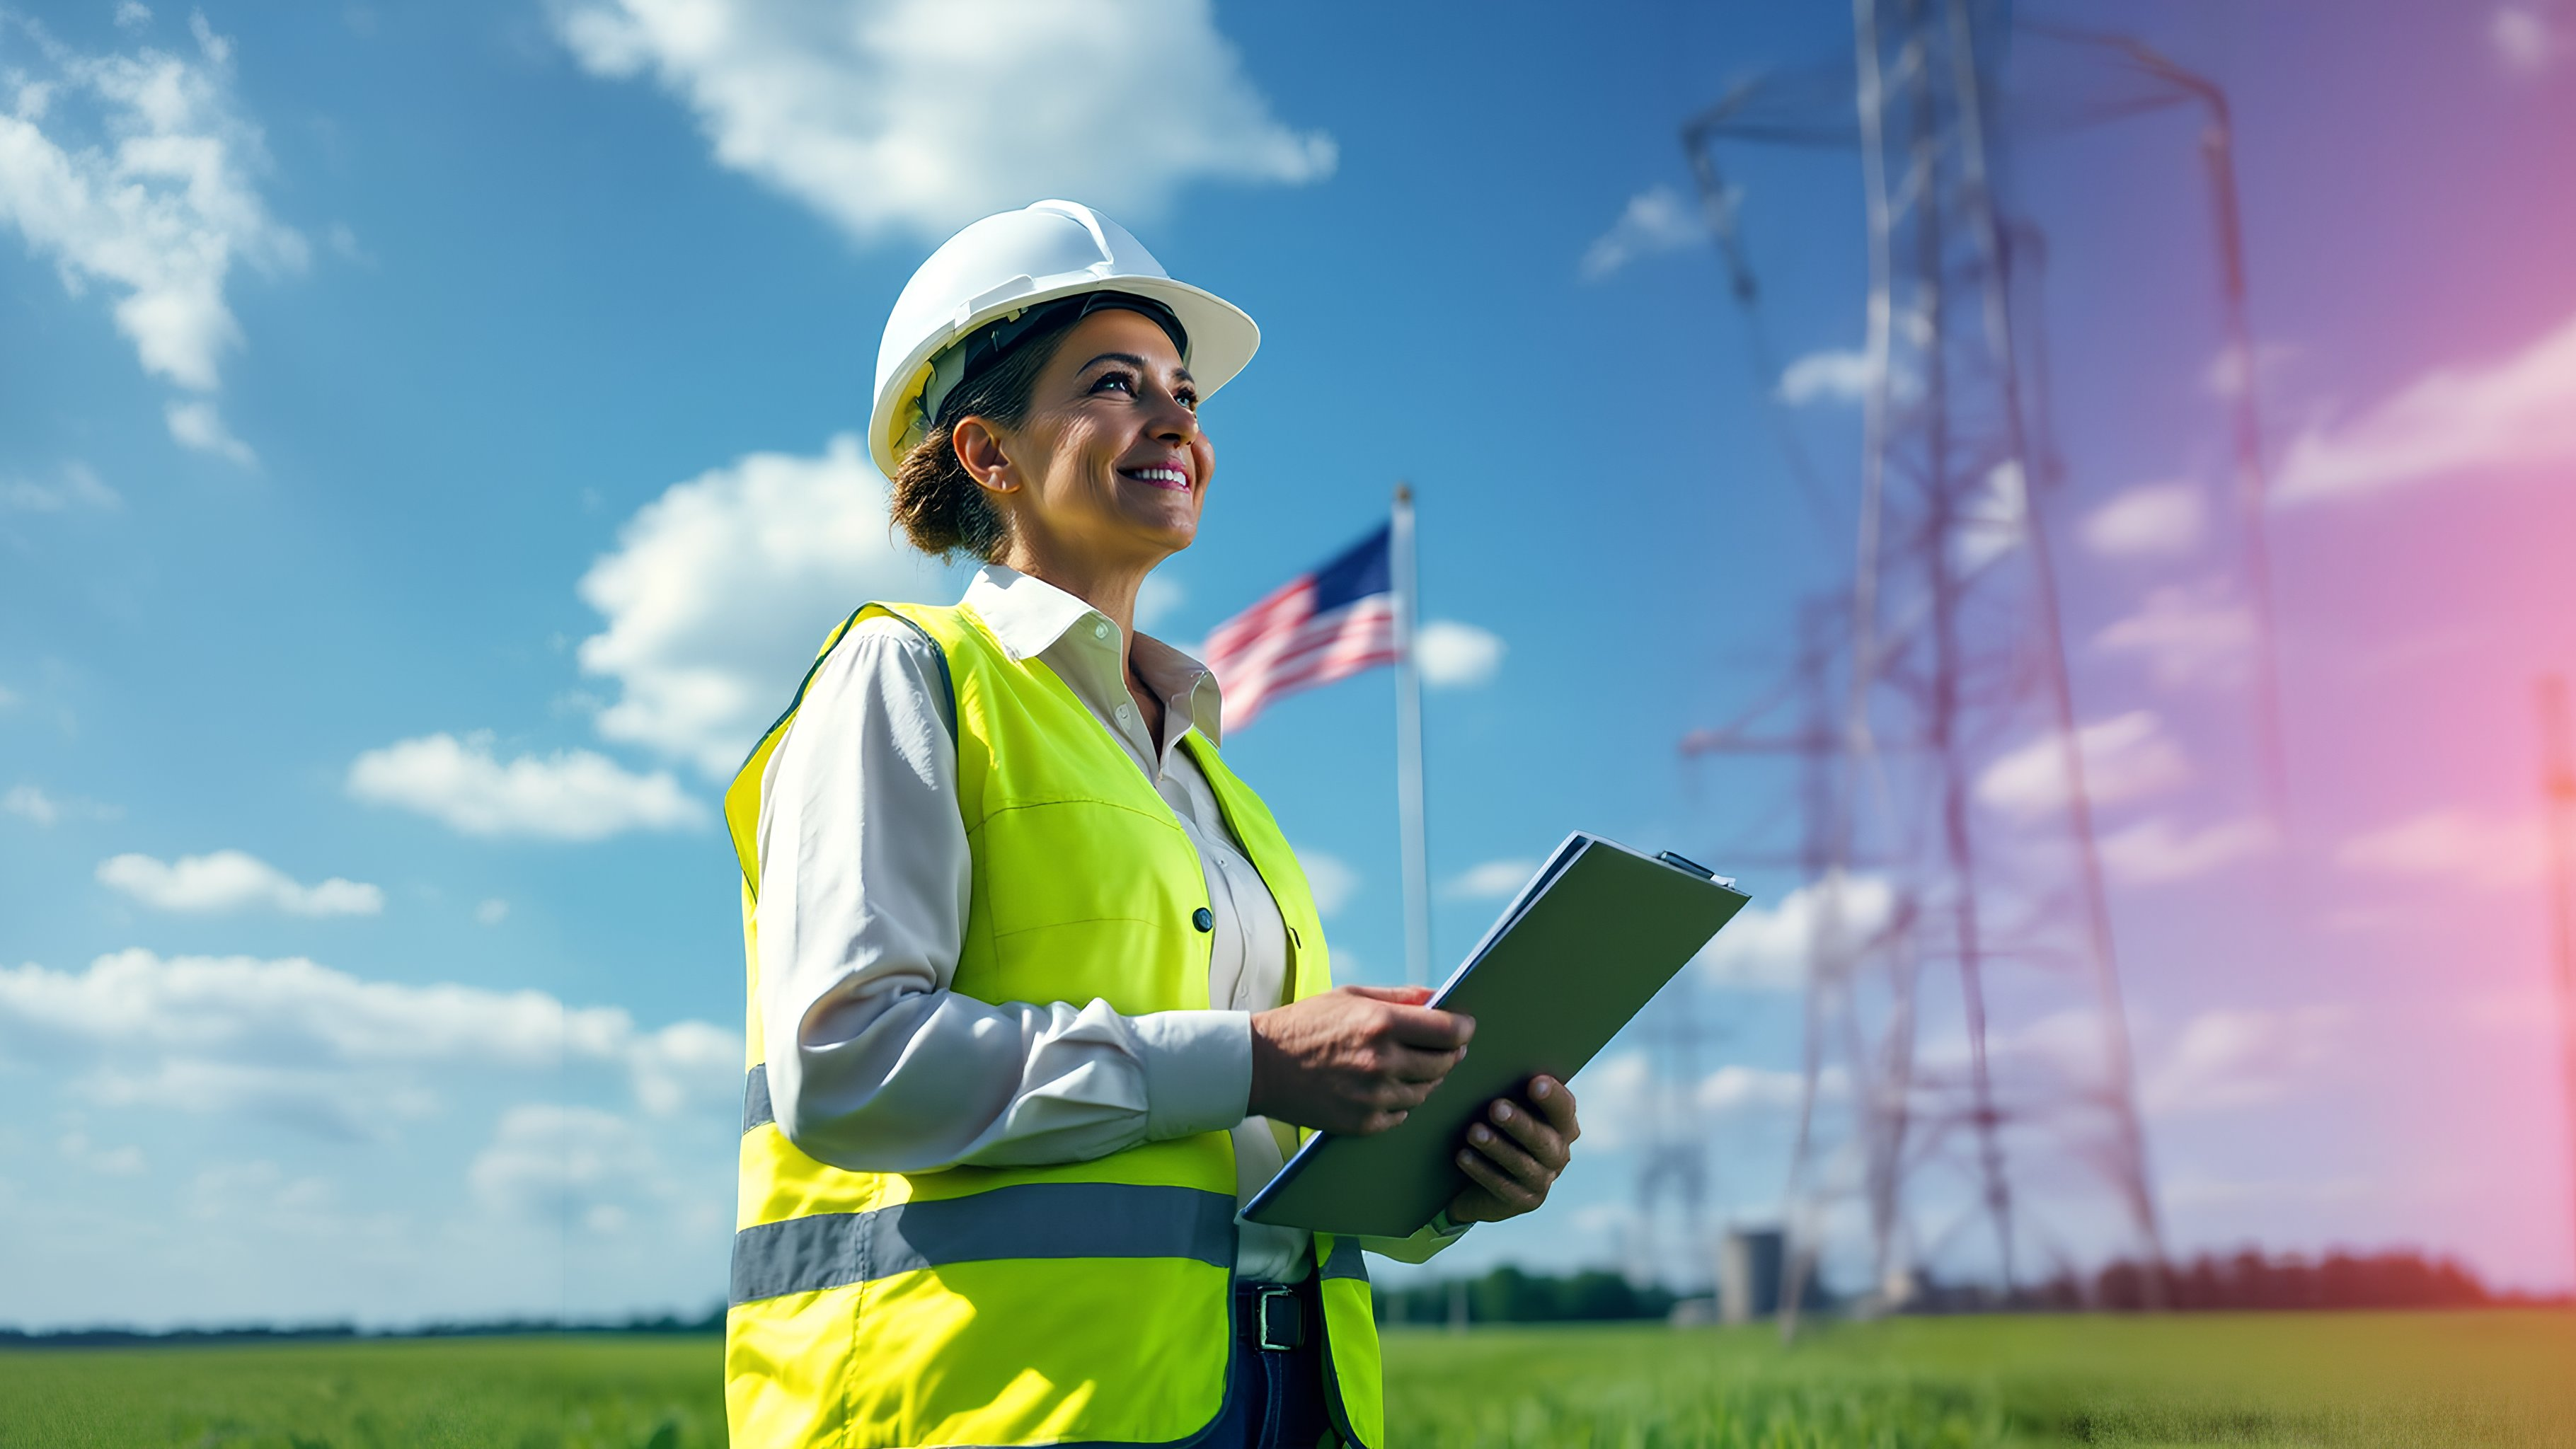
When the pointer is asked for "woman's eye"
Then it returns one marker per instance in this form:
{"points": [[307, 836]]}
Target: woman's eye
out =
{"points": [[1115, 379], [1187, 398]]}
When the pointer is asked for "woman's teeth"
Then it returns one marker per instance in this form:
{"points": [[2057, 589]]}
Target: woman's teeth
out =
{"points": [[1160, 477]]}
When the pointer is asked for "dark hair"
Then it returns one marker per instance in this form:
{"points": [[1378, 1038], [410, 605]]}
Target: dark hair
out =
{"points": [[939, 505]]}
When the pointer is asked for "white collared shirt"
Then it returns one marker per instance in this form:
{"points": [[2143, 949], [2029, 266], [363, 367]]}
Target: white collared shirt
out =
{"points": [[864, 883]]}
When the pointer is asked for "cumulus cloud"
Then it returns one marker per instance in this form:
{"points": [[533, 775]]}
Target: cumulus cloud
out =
{"points": [[2126, 757], [2149, 521], [2459, 845], [134, 173], [1622, 1094], [2186, 634], [1158, 600], [720, 590], [2513, 415], [301, 1042], [2158, 852], [918, 115], [1455, 655], [555, 1161], [2523, 40], [1655, 220], [229, 880], [31, 803], [569, 795], [1828, 376], [78, 488], [1766, 948], [2234, 1058], [1490, 881], [198, 425], [1330, 878]]}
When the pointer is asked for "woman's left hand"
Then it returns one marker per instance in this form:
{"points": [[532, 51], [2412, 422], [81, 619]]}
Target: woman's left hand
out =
{"points": [[1514, 1153]]}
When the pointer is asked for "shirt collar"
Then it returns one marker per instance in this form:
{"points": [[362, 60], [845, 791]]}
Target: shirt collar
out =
{"points": [[1032, 617]]}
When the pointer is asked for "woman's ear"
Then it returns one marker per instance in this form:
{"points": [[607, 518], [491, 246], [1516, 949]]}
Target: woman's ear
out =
{"points": [[979, 451]]}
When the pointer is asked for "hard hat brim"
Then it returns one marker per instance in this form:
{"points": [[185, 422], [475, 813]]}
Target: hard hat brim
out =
{"points": [[1222, 336]]}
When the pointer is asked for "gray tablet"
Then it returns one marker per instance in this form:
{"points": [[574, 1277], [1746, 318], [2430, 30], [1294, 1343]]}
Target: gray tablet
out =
{"points": [[1583, 947]]}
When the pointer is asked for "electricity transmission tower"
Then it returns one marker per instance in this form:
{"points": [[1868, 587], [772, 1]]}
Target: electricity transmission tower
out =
{"points": [[1946, 654]]}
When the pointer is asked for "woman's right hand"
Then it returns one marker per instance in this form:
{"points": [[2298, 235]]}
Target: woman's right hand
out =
{"points": [[1354, 1060]]}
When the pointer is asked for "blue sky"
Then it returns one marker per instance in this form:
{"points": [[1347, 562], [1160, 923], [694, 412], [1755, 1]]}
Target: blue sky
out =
{"points": [[422, 461]]}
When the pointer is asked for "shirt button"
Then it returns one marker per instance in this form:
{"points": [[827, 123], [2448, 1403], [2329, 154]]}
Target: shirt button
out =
{"points": [[1124, 714], [1203, 918], [1099, 629]]}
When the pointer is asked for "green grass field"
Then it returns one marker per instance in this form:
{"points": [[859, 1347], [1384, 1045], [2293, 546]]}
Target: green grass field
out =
{"points": [[2312, 1379]]}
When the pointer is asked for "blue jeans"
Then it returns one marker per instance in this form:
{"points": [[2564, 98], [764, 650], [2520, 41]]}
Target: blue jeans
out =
{"points": [[1275, 1398]]}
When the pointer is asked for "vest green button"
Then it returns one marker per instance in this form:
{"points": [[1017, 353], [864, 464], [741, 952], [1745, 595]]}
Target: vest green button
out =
{"points": [[1203, 918]]}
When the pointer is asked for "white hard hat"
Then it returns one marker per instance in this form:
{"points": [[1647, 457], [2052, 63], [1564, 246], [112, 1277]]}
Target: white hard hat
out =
{"points": [[1006, 264]]}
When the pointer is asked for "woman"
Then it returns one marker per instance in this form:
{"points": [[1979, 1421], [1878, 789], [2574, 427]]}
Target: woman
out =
{"points": [[1038, 992]]}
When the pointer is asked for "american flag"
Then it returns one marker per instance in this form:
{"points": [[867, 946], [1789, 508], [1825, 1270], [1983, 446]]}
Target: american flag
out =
{"points": [[1326, 624]]}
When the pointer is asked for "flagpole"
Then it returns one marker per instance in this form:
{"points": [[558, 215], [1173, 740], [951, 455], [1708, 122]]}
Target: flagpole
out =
{"points": [[1408, 746]]}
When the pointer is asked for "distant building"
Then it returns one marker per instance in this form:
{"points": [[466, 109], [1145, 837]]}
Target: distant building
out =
{"points": [[1749, 1266]]}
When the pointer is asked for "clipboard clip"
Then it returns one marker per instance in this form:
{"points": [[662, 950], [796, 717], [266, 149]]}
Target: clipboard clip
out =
{"points": [[1683, 862]]}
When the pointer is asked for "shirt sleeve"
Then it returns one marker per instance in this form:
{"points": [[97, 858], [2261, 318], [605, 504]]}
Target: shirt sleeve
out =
{"points": [[875, 1064]]}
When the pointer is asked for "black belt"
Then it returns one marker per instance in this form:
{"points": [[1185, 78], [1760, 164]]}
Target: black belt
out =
{"points": [[1272, 1316]]}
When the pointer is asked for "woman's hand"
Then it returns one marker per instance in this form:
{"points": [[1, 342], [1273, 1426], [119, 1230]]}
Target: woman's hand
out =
{"points": [[1513, 1156], [1354, 1060]]}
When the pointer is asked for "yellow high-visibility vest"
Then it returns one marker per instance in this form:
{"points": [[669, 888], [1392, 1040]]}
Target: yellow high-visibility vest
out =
{"points": [[1085, 1302]]}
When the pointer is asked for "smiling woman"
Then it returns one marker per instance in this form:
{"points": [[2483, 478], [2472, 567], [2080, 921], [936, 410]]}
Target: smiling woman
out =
{"points": [[1038, 991]]}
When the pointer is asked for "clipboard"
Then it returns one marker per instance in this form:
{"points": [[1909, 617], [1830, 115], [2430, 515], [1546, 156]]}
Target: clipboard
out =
{"points": [[1581, 950]]}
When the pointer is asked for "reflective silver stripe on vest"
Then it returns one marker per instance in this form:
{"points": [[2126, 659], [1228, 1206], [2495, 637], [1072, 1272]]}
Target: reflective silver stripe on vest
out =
{"points": [[1345, 1261], [756, 1111], [1030, 1220]]}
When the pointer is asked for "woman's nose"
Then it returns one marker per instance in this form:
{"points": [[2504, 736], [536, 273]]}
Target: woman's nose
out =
{"points": [[1172, 420]]}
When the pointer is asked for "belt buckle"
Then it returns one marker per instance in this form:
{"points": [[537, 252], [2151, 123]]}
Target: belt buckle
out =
{"points": [[1279, 1320]]}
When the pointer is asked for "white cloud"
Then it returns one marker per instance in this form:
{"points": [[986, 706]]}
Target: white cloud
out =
{"points": [[1658, 219], [2157, 852], [1331, 880], [919, 115], [1737, 1088], [2523, 40], [198, 425], [79, 488], [1766, 948], [2471, 849], [1990, 521], [299, 1041], [126, 1161], [550, 1160], [1830, 376], [2126, 757], [2234, 1058], [492, 912], [2150, 520], [2515, 414], [1456, 655], [1157, 599], [229, 880], [2187, 634], [134, 172], [30, 803], [1492, 880], [569, 795], [721, 589], [1622, 1094]]}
